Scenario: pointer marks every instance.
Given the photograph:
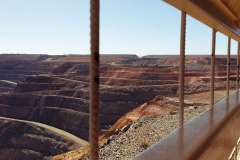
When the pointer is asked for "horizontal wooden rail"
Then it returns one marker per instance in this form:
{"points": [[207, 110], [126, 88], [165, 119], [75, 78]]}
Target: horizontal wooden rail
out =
{"points": [[210, 136], [207, 12]]}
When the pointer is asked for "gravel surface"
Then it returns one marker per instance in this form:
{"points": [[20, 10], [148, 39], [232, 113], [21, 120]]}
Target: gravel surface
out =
{"points": [[144, 132]]}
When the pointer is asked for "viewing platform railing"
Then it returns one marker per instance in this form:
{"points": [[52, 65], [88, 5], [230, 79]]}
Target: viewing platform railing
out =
{"points": [[211, 136]]}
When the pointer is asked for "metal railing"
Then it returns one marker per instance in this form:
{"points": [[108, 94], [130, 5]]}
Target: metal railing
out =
{"points": [[228, 64], [94, 76], [212, 80], [182, 68]]}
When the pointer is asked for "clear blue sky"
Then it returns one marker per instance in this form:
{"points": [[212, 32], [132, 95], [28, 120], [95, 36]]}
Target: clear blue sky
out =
{"points": [[127, 26]]}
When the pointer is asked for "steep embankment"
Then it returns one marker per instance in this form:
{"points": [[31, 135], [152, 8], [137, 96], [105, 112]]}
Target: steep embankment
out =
{"points": [[30, 140], [144, 126], [53, 90], [139, 129]]}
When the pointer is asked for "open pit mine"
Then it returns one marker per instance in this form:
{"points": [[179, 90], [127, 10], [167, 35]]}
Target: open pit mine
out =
{"points": [[44, 101]]}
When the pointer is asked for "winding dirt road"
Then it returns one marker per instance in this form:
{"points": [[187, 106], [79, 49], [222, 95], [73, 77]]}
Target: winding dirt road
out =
{"points": [[60, 132]]}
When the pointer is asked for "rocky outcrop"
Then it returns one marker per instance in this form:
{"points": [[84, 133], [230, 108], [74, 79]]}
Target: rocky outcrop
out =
{"points": [[23, 140], [53, 90]]}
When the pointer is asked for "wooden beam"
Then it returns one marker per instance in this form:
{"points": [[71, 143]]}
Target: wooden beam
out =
{"points": [[205, 15], [225, 9], [209, 136]]}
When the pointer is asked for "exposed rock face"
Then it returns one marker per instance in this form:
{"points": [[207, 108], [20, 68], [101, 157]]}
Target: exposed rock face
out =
{"points": [[61, 100], [54, 90], [22, 140], [68, 113], [15, 68], [62, 112]]}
